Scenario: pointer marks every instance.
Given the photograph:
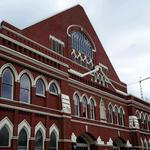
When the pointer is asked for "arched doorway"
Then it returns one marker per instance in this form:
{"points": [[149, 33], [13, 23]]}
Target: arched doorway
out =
{"points": [[84, 142], [119, 144]]}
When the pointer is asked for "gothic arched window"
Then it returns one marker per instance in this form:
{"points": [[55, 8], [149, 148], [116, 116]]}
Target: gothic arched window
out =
{"points": [[7, 84], [110, 115], [92, 113], [39, 140], [4, 137], [84, 107], [53, 141], [76, 104]]}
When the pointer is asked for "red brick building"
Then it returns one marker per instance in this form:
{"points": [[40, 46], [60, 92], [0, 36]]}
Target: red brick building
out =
{"points": [[59, 90]]}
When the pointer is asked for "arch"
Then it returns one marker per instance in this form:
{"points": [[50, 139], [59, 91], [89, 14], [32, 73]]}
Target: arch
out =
{"points": [[40, 87], [42, 128], [146, 124], [57, 85], [78, 93], [54, 136], [24, 124], [9, 126], [14, 71], [76, 100], [116, 112], [121, 116], [92, 108], [142, 117], [102, 109], [84, 106], [119, 143], [29, 75], [84, 95], [110, 113], [44, 81], [75, 26], [7, 85], [95, 104]]}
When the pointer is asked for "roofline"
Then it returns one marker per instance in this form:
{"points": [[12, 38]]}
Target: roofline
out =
{"points": [[56, 13]]}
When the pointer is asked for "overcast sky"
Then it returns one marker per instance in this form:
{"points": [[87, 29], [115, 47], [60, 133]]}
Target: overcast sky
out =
{"points": [[123, 27]]}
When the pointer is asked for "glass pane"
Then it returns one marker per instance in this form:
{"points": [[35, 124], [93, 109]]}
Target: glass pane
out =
{"points": [[38, 141], [4, 137], [7, 77], [6, 91], [24, 88], [40, 87], [53, 88], [53, 141], [22, 140]]}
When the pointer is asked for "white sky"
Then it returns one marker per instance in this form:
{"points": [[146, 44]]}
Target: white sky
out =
{"points": [[123, 27]]}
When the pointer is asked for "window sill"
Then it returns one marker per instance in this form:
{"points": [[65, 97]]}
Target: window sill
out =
{"points": [[40, 95], [53, 94]]}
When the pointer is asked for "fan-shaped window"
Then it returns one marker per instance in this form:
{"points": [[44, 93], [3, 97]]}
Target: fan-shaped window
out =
{"points": [[24, 88], [81, 43], [53, 88], [84, 107], [92, 116], [53, 141], [22, 140], [38, 141], [40, 88], [7, 84], [76, 105], [4, 137], [110, 113]]}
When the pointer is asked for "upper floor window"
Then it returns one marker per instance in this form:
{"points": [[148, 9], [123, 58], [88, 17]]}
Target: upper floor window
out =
{"points": [[115, 115], [102, 110], [110, 113], [81, 43], [40, 88], [56, 44], [4, 137], [76, 105], [53, 88], [84, 107], [121, 117], [92, 115], [7, 84], [24, 88]]}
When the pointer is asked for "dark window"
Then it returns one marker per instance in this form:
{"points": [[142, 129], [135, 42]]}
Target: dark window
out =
{"points": [[84, 107], [76, 105], [110, 114], [24, 88], [40, 88], [4, 137], [7, 84], [53, 141], [38, 141], [121, 117], [92, 109], [22, 140], [53, 88]]}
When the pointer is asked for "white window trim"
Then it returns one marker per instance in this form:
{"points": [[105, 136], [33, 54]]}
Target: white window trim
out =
{"points": [[6, 122], [57, 85]]}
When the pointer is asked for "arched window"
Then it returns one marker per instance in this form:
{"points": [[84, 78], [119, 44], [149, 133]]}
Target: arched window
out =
{"points": [[116, 115], [84, 107], [76, 105], [40, 87], [4, 137], [7, 84], [92, 113], [53, 88], [81, 43], [53, 141], [121, 117], [110, 109], [22, 140], [102, 110], [39, 140], [146, 122], [24, 88]]}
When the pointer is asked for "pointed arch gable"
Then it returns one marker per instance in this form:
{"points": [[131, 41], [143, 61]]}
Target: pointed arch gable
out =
{"points": [[12, 68], [115, 106], [84, 95], [78, 93], [42, 128], [43, 79], [95, 104], [29, 74], [57, 85], [121, 108], [24, 124], [55, 129]]}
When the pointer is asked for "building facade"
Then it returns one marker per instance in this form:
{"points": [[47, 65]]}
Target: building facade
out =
{"points": [[59, 90]]}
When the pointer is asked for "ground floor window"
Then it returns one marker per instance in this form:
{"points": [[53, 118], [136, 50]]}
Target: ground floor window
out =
{"points": [[4, 137]]}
